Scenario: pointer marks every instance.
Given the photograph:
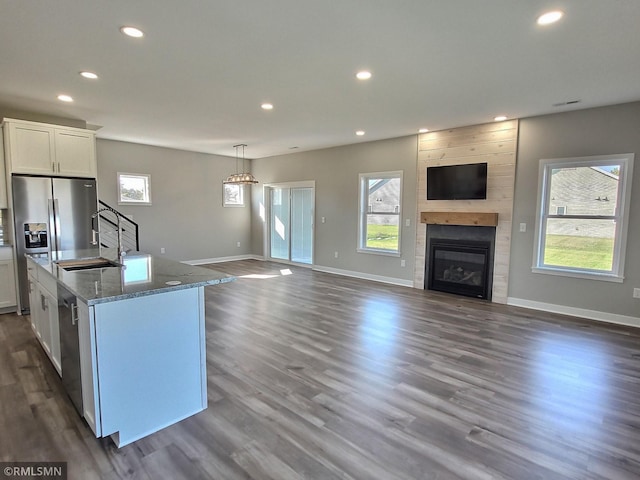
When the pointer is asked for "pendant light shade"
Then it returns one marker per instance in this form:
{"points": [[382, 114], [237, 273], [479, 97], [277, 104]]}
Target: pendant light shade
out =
{"points": [[244, 178]]}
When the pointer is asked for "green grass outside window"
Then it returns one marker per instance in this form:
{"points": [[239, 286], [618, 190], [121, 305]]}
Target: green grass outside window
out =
{"points": [[383, 237], [580, 252]]}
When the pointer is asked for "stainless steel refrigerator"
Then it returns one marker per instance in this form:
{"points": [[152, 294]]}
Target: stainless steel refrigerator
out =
{"points": [[51, 214]]}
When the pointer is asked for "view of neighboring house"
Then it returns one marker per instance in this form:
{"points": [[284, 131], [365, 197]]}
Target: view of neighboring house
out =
{"points": [[597, 197], [384, 201]]}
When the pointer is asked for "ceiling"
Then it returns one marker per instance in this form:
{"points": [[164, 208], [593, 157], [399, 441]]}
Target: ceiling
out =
{"points": [[197, 78]]}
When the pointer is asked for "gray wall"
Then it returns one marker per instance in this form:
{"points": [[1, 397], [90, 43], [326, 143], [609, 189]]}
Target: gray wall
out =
{"points": [[336, 173], [598, 131], [186, 216]]}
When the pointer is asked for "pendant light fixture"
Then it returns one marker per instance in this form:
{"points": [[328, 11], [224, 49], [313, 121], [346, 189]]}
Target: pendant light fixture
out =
{"points": [[244, 178]]}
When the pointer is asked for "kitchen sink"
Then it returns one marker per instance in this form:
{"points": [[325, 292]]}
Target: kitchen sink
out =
{"points": [[86, 263]]}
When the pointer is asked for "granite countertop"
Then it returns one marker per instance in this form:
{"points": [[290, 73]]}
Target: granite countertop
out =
{"points": [[142, 274]]}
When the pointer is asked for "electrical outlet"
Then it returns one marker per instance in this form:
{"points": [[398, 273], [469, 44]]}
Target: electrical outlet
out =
{"points": [[335, 254], [407, 222], [324, 219], [238, 244], [523, 227], [162, 250], [403, 263], [636, 293]]}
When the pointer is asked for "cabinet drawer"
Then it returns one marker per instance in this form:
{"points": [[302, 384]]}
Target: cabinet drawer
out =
{"points": [[32, 269], [49, 283]]}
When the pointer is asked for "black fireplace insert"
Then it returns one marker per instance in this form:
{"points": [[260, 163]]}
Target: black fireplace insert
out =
{"points": [[460, 266]]}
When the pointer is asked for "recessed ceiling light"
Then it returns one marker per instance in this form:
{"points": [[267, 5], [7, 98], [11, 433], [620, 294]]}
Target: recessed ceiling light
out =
{"points": [[500, 118], [267, 106], [423, 130], [65, 98], [89, 75], [360, 133], [132, 32], [550, 17], [363, 75]]}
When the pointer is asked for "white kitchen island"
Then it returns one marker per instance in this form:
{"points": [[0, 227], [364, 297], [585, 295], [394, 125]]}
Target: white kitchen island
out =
{"points": [[141, 329]]}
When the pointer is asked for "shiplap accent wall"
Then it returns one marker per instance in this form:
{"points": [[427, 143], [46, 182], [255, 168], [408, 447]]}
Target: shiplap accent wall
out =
{"points": [[494, 143]]}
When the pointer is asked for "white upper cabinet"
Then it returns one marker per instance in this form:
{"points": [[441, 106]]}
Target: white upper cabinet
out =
{"points": [[3, 178], [75, 153], [43, 149], [29, 148]]}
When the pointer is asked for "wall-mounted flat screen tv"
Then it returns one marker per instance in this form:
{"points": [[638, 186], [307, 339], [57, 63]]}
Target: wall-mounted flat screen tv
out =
{"points": [[457, 182]]}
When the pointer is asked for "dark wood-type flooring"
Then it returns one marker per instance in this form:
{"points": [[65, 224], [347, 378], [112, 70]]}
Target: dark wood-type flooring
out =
{"points": [[318, 376]]}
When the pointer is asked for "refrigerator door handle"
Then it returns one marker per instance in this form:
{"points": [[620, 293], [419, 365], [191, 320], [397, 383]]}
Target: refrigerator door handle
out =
{"points": [[54, 226], [52, 231], [56, 213], [74, 313]]}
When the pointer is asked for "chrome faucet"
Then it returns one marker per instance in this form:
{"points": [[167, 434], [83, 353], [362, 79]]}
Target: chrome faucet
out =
{"points": [[94, 241]]}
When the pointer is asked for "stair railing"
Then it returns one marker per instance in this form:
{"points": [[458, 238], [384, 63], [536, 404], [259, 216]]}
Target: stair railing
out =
{"points": [[109, 225]]}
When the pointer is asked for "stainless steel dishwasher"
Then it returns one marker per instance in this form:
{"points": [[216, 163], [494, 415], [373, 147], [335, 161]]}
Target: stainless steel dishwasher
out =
{"points": [[70, 346]]}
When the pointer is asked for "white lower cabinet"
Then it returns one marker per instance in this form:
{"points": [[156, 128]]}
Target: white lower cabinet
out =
{"points": [[142, 358], [50, 336], [88, 370], [143, 363], [7, 281], [44, 314], [44, 319], [34, 314]]}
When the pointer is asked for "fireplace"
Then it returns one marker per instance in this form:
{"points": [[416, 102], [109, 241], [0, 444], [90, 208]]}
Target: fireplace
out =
{"points": [[459, 260], [460, 267]]}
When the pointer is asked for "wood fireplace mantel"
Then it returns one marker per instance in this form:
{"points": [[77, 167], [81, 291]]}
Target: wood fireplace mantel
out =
{"points": [[460, 218]]}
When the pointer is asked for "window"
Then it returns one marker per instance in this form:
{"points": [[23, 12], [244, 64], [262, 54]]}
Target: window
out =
{"points": [[380, 212], [582, 217], [233, 195], [134, 189]]}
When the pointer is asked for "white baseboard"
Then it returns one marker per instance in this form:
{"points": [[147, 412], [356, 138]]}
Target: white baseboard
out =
{"points": [[204, 261], [576, 312], [364, 276]]}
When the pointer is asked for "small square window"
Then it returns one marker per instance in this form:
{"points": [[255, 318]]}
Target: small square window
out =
{"points": [[134, 189], [233, 195]]}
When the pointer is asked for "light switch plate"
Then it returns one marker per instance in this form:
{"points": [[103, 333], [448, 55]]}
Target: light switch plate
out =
{"points": [[523, 227]]}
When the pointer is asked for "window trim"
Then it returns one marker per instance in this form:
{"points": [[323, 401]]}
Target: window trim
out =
{"points": [[621, 217], [363, 211], [147, 178], [229, 204]]}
